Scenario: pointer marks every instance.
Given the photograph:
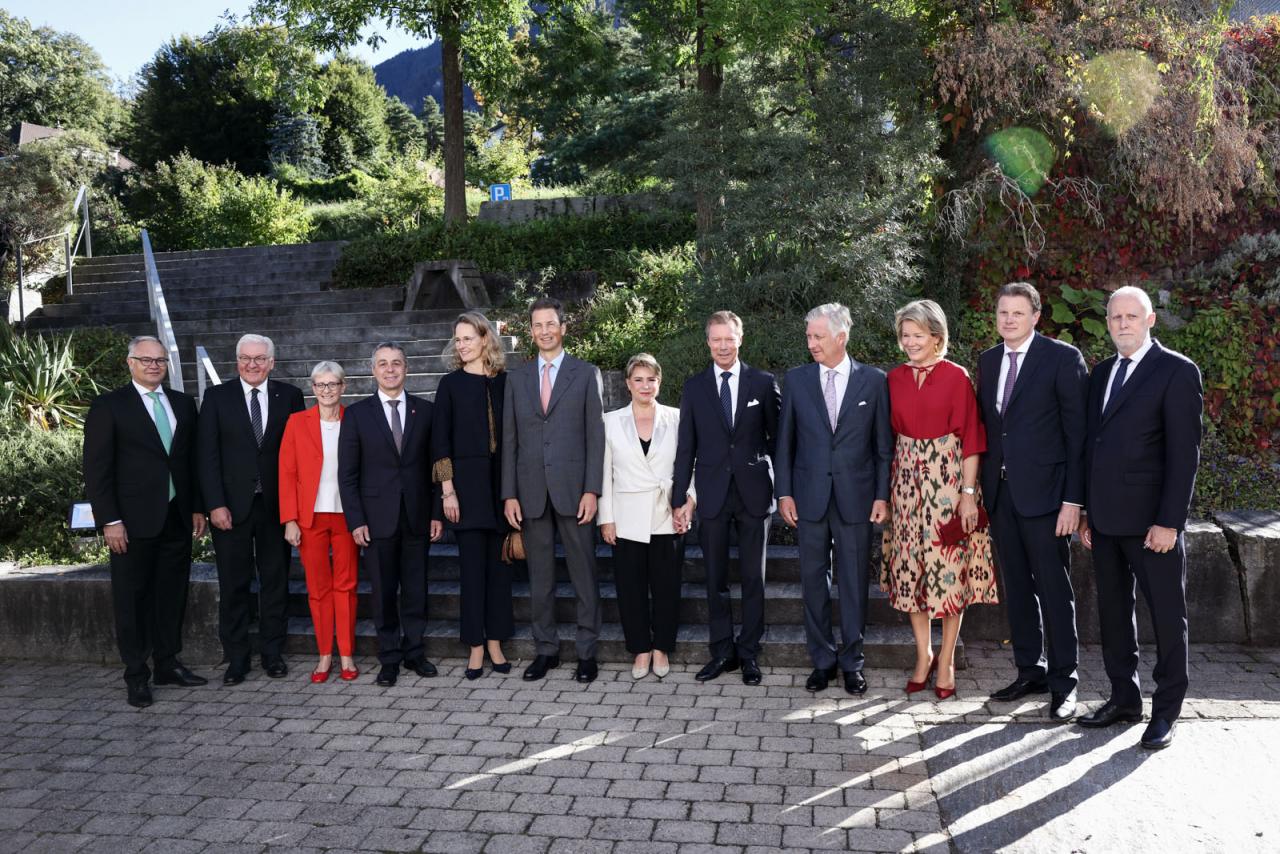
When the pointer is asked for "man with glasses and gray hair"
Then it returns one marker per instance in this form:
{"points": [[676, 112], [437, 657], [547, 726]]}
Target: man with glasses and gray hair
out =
{"points": [[140, 477], [241, 425]]}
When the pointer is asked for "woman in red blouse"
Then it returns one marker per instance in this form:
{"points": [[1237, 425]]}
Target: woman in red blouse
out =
{"points": [[927, 572]]}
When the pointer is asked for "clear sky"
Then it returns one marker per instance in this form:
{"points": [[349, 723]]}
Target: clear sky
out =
{"points": [[127, 33]]}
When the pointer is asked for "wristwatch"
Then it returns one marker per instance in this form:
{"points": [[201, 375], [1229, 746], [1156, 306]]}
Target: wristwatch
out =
{"points": [[969, 490]]}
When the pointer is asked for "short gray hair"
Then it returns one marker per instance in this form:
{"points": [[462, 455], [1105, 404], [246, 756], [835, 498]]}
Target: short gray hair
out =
{"points": [[328, 367], [250, 338], [387, 345], [929, 316], [643, 360], [143, 339], [837, 316], [1136, 293]]}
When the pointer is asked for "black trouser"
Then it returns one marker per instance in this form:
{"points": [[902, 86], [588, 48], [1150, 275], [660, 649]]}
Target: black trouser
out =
{"points": [[647, 576], [258, 542], [1117, 563], [397, 570], [486, 587], [846, 546], [753, 534], [1035, 569], [149, 596]]}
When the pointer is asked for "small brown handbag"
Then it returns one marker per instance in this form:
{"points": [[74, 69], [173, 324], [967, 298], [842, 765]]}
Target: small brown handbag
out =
{"points": [[513, 547]]}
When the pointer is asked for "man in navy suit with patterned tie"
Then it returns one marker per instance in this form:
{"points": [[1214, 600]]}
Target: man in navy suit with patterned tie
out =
{"points": [[728, 432], [1142, 452]]}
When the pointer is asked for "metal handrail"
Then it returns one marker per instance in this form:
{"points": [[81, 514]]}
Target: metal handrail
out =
{"points": [[83, 232], [68, 251], [160, 314], [206, 373]]}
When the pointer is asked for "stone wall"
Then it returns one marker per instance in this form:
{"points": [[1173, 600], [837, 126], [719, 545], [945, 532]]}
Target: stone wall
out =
{"points": [[526, 210]]}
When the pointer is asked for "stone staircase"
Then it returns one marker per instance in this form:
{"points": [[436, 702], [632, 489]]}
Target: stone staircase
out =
{"points": [[215, 296]]}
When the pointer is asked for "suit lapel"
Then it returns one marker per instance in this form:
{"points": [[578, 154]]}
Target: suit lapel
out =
{"points": [[1139, 376], [314, 428], [242, 410], [989, 378], [852, 391], [533, 370], [411, 419], [659, 431], [744, 395], [1032, 361], [380, 415], [713, 385], [564, 378], [181, 422], [138, 411]]}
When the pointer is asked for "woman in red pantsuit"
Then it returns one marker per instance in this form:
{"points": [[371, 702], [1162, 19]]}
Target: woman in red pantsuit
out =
{"points": [[311, 510]]}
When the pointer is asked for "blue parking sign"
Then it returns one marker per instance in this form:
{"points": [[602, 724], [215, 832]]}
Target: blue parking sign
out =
{"points": [[499, 192]]}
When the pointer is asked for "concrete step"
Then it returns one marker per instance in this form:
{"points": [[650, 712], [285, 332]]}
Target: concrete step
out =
{"points": [[287, 250], [182, 277], [359, 367], [350, 354], [262, 303], [371, 325]]}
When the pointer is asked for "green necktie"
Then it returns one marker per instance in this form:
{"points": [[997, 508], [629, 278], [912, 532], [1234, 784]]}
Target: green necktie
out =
{"points": [[164, 429]]}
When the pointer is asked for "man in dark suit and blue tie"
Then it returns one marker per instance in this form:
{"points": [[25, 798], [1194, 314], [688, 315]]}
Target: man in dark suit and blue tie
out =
{"points": [[835, 448], [384, 478], [140, 477], [1032, 392], [728, 433], [241, 425], [1142, 453]]}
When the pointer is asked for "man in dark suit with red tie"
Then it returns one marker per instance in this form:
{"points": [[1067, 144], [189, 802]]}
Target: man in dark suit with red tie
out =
{"points": [[1032, 392], [728, 433], [384, 477], [1142, 452], [241, 425], [140, 477]]}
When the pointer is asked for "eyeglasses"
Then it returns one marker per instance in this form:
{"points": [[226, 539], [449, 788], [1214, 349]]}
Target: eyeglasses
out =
{"points": [[327, 386], [253, 360], [148, 362]]}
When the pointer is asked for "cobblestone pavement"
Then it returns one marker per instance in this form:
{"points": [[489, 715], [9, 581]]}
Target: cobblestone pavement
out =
{"points": [[497, 765]]}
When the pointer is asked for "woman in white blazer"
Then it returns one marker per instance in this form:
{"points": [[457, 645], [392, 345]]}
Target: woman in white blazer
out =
{"points": [[635, 517]]}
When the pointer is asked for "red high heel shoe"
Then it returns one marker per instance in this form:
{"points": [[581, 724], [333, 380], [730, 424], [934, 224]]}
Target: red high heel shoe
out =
{"points": [[349, 675], [318, 676], [913, 687], [944, 693]]}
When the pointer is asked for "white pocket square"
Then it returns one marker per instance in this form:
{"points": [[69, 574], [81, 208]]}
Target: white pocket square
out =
{"points": [[753, 403], [862, 403]]}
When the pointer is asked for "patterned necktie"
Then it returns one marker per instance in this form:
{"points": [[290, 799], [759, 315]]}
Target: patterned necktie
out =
{"points": [[1116, 383], [164, 428], [397, 430], [1008, 383], [255, 416], [544, 392], [829, 395], [726, 398]]}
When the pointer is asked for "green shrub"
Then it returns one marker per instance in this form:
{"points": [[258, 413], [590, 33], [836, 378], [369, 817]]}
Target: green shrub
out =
{"points": [[42, 480], [404, 196], [643, 306], [342, 221], [340, 188], [100, 352], [186, 204], [40, 383], [598, 243], [1231, 481]]}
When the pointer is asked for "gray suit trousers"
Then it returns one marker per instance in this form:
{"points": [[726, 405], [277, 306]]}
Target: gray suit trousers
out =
{"points": [[580, 554], [848, 547]]}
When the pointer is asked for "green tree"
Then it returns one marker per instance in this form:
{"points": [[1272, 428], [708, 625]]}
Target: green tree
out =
{"points": [[432, 125], [218, 97], [353, 116], [55, 79], [295, 141], [476, 29], [406, 135]]}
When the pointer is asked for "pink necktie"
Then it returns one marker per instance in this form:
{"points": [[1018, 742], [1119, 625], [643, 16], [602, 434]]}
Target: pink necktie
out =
{"points": [[546, 386], [1008, 383]]}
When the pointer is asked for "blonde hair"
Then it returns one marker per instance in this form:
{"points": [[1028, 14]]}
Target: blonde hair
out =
{"points": [[643, 360], [926, 314], [725, 318], [495, 360]]}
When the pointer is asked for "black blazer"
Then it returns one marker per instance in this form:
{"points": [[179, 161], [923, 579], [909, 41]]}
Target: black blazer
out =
{"points": [[1142, 456], [720, 452], [466, 445], [373, 478], [230, 459], [126, 469], [1040, 440]]}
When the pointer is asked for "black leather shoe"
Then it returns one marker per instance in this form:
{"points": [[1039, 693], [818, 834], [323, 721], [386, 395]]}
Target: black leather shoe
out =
{"points": [[1109, 714], [235, 674], [1062, 707], [422, 667], [139, 695], [855, 682], [1020, 688], [539, 666], [820, 678], [587, 671], [275, 667], [1158, 735], [387, 675], [715, 667], [179, 675], [750, 672], [473, 673]]}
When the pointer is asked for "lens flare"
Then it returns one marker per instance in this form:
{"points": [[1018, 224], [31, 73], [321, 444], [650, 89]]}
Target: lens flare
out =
{"points": [[1024, 155], [1119, 87]]}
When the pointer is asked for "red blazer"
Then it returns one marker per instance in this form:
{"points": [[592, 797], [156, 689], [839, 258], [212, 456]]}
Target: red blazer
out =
{"points": [[301, 458]]}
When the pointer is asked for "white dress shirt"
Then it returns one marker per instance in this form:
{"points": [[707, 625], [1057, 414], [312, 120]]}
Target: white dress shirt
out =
{"points": [[386, 409], [736, 373], [1134, 360], [1021, 350], [164, 401], [327, 498], [842, 380], [262, 399]]}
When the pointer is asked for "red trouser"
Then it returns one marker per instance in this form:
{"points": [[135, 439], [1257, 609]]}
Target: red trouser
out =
{"points": [[331, 588]]}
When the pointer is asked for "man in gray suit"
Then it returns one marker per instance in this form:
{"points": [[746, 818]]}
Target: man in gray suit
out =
{"points": [[835, 445], [552, 475]]}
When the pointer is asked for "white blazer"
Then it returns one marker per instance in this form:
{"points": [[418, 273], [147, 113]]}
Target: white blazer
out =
{"points": [[637, 488]]}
